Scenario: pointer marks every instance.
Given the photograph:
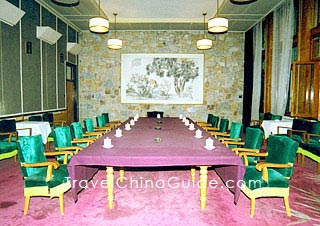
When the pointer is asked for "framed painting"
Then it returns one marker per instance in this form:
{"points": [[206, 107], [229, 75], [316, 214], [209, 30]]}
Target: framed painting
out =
{"points": [[162, 78]]}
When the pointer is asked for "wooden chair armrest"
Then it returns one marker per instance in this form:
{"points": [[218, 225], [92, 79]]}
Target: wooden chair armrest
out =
{"points": [[97, 134], [263, 166], [59, 123], [225, 134], [240, 143], [10, 135], [82, 140], [211, 128], [237, 150], [229, 139], [309, 135], [73, 148], [282, 127], [289, 132], [65, 153], [50, 165], [245, 155]]}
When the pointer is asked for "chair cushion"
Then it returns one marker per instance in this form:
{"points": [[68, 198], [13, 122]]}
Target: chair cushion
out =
{"points": [[313, 147], [253, 179], [59, 176], [6, 147]]}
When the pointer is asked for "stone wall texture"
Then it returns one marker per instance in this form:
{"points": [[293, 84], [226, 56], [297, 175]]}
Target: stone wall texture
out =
{"points": [[100, 73]]}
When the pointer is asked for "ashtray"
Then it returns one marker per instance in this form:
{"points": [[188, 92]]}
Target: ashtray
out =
{"points": [[158, 139], [157, 128]]}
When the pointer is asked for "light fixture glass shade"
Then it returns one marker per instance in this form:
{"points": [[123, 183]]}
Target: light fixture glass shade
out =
{"points": [[218, 25], [204, 44], [114, 43], [242, 2], [99, 25]]}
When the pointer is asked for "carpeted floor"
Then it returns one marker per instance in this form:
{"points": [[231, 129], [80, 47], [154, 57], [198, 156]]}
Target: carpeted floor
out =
{"points": [[150, 200]]}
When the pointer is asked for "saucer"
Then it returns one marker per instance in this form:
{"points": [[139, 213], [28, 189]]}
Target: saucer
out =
{"points": [[209, 148], [107, 147], [198, 137], [117, 135], [127, 129], [191, 129]]}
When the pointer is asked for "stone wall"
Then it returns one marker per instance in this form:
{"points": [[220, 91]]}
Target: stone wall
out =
{"points": [[100, 73]]}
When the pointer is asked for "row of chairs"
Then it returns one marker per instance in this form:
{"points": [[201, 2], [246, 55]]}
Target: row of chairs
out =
{"points": [[267, 177], [49, 178]]}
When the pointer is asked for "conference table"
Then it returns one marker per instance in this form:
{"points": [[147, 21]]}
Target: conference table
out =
{"points": [[141, 147], [37, 127]]}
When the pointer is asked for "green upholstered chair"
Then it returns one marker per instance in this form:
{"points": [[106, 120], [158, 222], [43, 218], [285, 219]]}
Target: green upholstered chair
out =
{"points": [[207, 123], [63, 142], [89, 127], [111, 123], [223, 126], [214, 124], [77, 133], [48, 117], [298, 130], [8, 126], [153, 114], [42, 177], [101, 123], [271, 178], [311, 146], [252, 143], [235, 134]]}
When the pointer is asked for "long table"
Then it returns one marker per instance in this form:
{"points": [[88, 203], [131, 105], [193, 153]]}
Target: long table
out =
{"points": [[137, 148]]}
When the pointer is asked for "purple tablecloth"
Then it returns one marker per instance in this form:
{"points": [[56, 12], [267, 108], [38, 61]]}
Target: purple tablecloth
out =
{"points": [[137, 148]]}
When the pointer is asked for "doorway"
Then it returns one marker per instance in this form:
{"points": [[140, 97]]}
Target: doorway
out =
{"points": [[72, 93]]}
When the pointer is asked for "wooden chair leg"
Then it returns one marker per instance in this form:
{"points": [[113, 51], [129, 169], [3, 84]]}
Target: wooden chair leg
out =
{"points": [[252, 204], [61, 202], [318, 167], [302, 160], [26, 205], [286, 204]]}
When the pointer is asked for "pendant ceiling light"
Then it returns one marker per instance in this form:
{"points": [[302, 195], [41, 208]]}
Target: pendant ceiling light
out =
{"points": [[66, 3], [242, 2], [99, 24], [204, 43], [218, 24], [115, 43]]}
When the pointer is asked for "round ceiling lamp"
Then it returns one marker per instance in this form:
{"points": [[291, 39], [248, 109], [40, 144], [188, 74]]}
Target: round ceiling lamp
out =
{"points": [[242, 2], [67, 3], [115, 43], [99, 24], [218, 24], [204, 43]]}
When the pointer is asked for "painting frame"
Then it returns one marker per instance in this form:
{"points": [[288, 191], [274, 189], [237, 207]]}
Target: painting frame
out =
{"points": [[162, 78]]}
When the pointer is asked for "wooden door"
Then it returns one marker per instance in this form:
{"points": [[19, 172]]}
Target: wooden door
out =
{"points": [[71, 93]]}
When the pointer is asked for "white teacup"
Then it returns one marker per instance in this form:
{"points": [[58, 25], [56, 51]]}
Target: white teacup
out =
{"points": [[118, 132], [198, 133], [191, 126], [209, 143], [127, 126], [107, 142], [132, 122]]}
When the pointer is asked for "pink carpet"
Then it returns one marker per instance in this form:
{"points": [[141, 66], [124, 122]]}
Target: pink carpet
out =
{"points": [[144, 205]]}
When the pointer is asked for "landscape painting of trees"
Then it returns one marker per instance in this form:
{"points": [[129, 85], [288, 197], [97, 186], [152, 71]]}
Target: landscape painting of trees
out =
{"points": [[162, 78]]}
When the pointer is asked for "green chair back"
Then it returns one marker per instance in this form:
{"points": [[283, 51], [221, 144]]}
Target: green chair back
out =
{"points": [[224, 125], [276, 117], [236, 130], [88, 125], [215, 121], [76, 130], [48, 117], [282, 149], [31, 150], [101, 122], [62, 136], [209, 118], [35, 118], [106, 117], [7, 125], [254, 138]]}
